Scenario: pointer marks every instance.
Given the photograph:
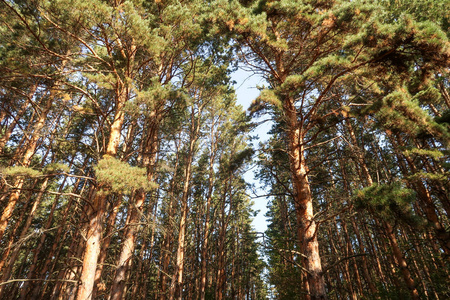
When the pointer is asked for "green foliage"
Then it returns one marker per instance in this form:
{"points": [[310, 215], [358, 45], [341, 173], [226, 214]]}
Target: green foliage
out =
{"points": [[21, 171], [388, 201], [444, 119], [56, 167], [121, 177], [436, 154], [400, 112], [240, 158], [423, 10], [444, 177]]}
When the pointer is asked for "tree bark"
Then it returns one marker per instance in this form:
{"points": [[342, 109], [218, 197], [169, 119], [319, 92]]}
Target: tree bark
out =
{"points": [[307, 234], [149, 154], [97, 214]]}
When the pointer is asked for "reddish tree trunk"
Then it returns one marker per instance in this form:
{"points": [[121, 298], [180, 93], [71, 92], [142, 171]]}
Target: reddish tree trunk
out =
{"points": [[96, 216], [303, 205]]}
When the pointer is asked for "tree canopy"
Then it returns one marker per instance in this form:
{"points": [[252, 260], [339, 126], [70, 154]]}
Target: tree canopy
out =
{"points": [[125, 157]]}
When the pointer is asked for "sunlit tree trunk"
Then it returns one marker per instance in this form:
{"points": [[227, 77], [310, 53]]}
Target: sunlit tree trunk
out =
{"points": [[23, 234], [401, 262], [303, 204], [28, 153], [149, 154], [97, 213], [99, 286]]}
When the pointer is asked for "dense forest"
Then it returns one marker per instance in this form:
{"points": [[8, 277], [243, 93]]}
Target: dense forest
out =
{"points": [[123, 150]]}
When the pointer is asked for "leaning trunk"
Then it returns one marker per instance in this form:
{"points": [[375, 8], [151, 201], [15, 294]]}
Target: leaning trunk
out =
{"points": [[26, 160]]}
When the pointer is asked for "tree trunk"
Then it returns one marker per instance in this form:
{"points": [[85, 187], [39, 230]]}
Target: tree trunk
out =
{"points": [[26, 160], [9, 130], [37, 250], [366, 272], [110, 228], [442, 235], [204, 255], [177, 278], [149, 154], [22, 236], [367, 179], [401, 261], [97, 214], [303, 205], [166, 247]]}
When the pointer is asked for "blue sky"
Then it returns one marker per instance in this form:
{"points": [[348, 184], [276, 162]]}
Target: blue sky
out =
{"points": [[246, 92]]}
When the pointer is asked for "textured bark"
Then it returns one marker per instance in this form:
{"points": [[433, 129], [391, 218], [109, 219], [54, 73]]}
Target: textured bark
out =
{"points": [[303, 205], [149, 152], [99, 286], [93, 246], [97, 214]]}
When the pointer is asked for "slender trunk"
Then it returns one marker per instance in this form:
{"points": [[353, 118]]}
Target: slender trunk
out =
{"points": [[346, 264], [442, 235], [339, 285], [23, 234], [28, 154], [166, 248], [9, 246], [221, 265], [139, 272], [367, 178], [365, 268], [205, 243], [401, 262], [40, 245], [9, 130], [374, 252], [350, 252], [177, 279]]}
